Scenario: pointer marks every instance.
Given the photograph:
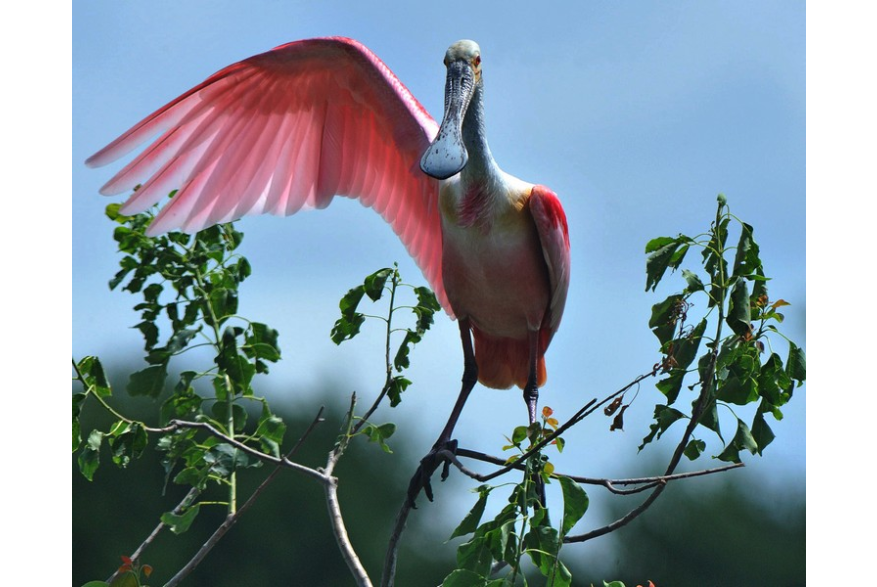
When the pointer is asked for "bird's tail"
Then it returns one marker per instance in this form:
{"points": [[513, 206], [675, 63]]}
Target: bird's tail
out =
{"points": [[503, 362]]}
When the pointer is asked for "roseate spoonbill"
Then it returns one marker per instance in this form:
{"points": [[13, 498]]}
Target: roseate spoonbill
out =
{"points": [[295, 126]]}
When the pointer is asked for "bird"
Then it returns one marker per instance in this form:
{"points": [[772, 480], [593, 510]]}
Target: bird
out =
{"points": [[291, 128]]}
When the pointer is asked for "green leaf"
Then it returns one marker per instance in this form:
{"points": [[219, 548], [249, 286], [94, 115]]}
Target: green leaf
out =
{"points": [[761, 432], [150, 333], [223, 304], [126, 579], [710, 417], [78, 399], [659, 243], [380, 434], [463, 578], [575, 504], [542, 545], [694, 449], [774, 383], [560, 575], [739, 318], [746, 261], [796, 365], [239, 369], [350, 322], [397, 385], [714, 261], [738, 390], [179, 523], [685, 348], [270, 431], [220, 413], [261, 342], [148, 382], [665, 316], [374, 283], [426, 299], [664, 417], [401, 361], [95, 380], [669, 255], [519, 434], [670, 386], [183, 404], [694, 282], [225, 458], [128, 441], [743, 440], [475, 556], [473, 518], [96, 584], [89, 458]]}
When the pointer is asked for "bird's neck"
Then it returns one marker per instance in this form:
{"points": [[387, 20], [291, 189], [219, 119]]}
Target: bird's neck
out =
{"points": [[481, 167]]}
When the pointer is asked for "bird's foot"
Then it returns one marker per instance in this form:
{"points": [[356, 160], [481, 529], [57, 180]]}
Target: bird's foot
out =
{"points": [[428, 465]]}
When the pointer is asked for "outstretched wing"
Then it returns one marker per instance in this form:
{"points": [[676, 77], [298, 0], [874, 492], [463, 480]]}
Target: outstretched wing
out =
{"points": [[285, 130], [553, 232]]}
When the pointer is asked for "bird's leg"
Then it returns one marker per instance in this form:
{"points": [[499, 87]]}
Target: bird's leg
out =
{"points": [[531, 398], [431, 461], [531, 390]]}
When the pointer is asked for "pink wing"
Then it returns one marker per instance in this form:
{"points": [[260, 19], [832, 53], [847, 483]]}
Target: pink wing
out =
{"points": [[553, 232], [285, 130]]}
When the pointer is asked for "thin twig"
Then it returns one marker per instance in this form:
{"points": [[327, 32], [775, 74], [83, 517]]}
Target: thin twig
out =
{"points": [[284, 461], [335, 517], [232, 518], [389, 575], [644, 482], [186, 501]]}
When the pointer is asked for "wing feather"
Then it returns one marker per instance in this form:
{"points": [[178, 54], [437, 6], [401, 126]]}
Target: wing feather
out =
{"points": [[553, 232], [287, 130]]}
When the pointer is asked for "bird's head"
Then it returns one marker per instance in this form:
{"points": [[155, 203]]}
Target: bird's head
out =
{"points": [[447, 154]]}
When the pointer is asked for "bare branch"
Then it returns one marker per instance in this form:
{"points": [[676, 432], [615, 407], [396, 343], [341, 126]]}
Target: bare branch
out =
{"points": [[186, 501], [340, 532], [610, 484], [231, 519], [389, 575], [335, 517]]}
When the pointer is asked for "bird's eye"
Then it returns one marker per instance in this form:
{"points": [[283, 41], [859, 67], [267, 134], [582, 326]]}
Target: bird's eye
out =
{"points": [[477, 60]]}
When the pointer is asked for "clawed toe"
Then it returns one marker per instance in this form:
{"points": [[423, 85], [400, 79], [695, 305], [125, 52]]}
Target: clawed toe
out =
{"points": [[422, 479]]}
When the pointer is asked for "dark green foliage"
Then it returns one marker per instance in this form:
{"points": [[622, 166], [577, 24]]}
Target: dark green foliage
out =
{"points": [[374, 287], [731, 370], [189, 289]]}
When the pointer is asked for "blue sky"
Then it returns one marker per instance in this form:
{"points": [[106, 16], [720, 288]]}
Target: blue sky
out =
{"points": [[635, 114]]}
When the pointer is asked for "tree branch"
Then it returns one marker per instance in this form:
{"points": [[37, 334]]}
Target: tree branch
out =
{"points": [[389, 574], [610, 484], [335, 517], [232, 518], [706, 390], [186, 501]]}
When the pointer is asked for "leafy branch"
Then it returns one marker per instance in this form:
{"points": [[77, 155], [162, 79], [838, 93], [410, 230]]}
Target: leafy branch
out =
{"points": [[208, 435]]}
